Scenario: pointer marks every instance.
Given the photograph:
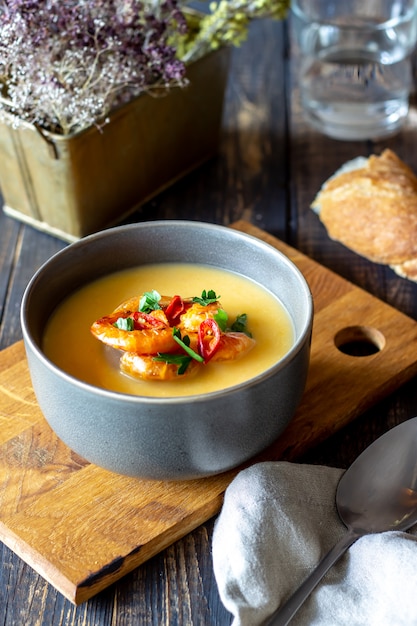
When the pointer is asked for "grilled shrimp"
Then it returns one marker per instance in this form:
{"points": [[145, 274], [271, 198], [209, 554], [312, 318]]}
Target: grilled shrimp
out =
{"points": [[191, 319], [146, 337], [145, 367], [151, 332], [232, 346]]}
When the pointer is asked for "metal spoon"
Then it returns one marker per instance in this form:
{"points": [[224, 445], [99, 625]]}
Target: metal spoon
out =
{"points": [[377, 493]]}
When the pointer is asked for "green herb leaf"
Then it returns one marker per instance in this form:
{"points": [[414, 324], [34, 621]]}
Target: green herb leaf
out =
{"points": [[184, 342], [240, 325], [182, 360], [207, 297], [125, 323], [186, 360], [149, 301], [221, 318]]}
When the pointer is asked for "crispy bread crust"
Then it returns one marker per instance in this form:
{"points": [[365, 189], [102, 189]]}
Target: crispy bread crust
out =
{"points": [[373, 211]]}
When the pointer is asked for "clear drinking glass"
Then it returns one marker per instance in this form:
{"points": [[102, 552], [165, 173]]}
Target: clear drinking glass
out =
{"points": [[355, 67]]}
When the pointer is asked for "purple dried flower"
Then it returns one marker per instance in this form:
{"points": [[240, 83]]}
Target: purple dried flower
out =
{"points": [[65, 65]]}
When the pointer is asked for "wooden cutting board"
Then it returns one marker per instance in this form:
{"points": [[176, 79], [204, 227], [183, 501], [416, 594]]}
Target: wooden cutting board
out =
{"points": [[82, 527]]}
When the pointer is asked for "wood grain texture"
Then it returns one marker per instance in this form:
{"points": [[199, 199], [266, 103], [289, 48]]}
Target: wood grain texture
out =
{"points": [[269, 167], [82, 527]]}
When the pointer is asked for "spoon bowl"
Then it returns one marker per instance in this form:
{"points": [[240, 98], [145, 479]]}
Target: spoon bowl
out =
{"points": [[379, 490], [376, 494]]}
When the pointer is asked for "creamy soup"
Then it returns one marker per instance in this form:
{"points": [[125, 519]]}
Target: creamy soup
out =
{"points": [[69, 343]]}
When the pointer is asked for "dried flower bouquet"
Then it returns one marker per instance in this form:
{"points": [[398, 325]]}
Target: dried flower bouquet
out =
{"points": [[65, 66]]}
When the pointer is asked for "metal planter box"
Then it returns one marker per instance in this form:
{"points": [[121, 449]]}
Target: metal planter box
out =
{"points": [[74, 185]]}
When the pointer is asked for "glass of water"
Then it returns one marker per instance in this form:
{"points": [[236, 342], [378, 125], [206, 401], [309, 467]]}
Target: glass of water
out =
{"points": [[355, 67]]}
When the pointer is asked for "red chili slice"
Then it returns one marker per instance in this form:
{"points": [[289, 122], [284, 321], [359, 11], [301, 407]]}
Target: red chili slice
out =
{"points": [[209, 334], [145, 321], [174, 310]]}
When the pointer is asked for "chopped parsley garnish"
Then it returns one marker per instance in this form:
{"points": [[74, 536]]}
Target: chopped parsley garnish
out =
{"points": [[240, 325], [184, 342], [182, 360], [149, 301], [125, 323], [207, 297]]}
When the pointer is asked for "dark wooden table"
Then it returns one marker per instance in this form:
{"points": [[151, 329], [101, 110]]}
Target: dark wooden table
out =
{"points": [[269, 167]]}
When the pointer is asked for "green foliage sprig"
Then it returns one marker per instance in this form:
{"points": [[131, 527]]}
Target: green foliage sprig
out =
{"points": [[228, 24]]}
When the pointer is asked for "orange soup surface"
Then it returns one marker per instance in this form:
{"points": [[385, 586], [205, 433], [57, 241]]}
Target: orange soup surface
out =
{"points": [[69, 343]]}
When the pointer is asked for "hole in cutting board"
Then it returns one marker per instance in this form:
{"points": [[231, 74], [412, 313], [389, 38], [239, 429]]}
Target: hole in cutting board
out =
{"points": [[359, 340]]}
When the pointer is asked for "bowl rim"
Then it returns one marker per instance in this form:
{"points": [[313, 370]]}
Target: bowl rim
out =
{"points": [[298, 345]]}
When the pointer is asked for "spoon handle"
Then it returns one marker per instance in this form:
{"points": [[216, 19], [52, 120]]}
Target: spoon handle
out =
{"points": [[286, 612]]}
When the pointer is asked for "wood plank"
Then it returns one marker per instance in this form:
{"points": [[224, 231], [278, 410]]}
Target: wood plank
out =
{"points": [[18, 407], [82, 527]]}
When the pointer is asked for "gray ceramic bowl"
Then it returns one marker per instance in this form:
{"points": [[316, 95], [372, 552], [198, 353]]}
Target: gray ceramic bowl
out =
{"points": [[167, 438]]}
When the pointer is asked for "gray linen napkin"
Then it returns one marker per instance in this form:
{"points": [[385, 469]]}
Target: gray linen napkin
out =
{"points": [[277, 521]]}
